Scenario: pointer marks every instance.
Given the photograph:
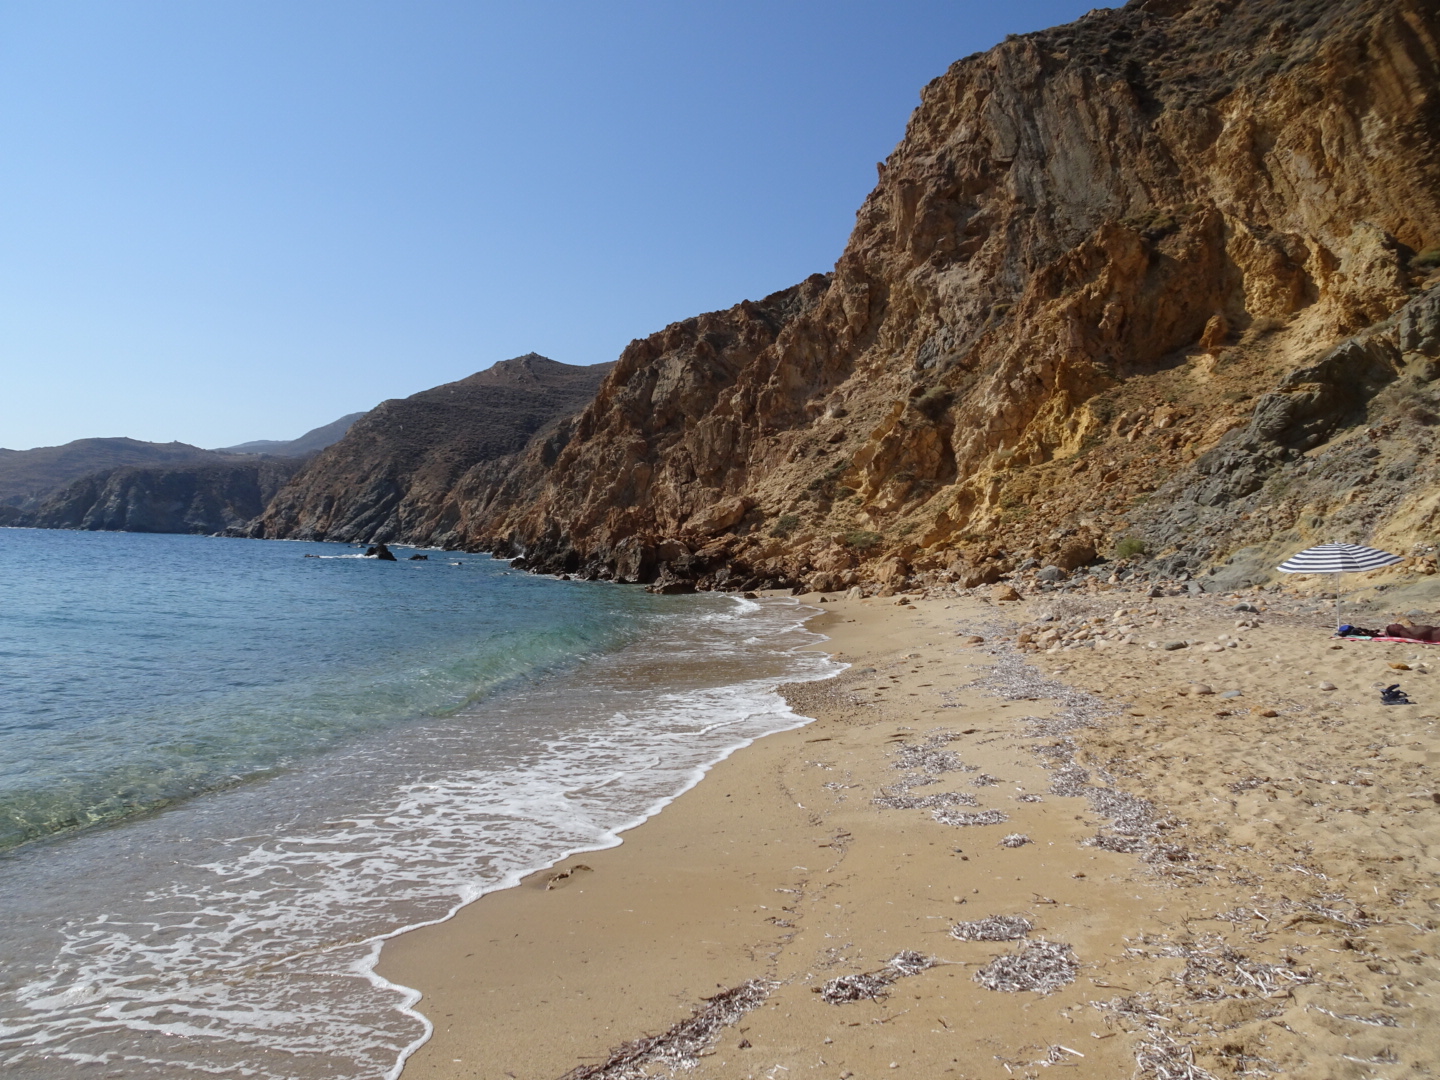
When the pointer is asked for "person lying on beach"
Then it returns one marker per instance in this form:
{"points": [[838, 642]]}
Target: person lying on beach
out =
{"points": [[1413, 632]]}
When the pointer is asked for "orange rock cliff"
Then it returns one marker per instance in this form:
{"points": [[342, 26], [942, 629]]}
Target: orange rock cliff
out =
{"points": [[1158, 287]]}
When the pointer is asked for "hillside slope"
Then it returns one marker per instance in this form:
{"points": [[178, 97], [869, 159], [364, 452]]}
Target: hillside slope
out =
{"points": [[388, 478]]}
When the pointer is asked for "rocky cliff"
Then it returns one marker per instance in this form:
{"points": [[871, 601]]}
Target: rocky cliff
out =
{"points": [[1154, 280], [27, 477], [391, 476], [198, 498]]}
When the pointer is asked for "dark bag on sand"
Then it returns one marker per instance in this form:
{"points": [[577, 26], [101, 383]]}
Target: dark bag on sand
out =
{"points": [[1357, 631], [1414, 633]]}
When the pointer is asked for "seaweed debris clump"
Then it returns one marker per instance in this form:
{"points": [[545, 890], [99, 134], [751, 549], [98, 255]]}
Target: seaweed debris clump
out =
{"points": [[685, 1043], [1043, 966], [873, 985], [993, 928]]}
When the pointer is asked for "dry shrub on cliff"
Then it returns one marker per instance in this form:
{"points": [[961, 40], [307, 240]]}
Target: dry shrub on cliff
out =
{"points": [[862, 539], [784, 525]]}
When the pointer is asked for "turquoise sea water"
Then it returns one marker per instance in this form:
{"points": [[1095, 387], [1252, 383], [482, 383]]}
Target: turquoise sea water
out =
{"points": [[228, 772], [138, 669]]}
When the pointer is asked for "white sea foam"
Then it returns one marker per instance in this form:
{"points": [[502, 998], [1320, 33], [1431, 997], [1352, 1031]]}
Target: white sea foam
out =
{"points": [[254, 954]]}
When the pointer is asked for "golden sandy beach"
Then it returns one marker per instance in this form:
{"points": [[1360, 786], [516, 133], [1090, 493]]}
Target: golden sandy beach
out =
{"points": [[1199, 883]]}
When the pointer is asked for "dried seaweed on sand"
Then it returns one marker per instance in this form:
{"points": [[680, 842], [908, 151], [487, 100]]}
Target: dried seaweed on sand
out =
{"points": [[875, 984], [685, 1043], [925, 802], [993, 928], [980, 817], [1015, 839], [929, 758], [1043, 966], [1161, 1057]]}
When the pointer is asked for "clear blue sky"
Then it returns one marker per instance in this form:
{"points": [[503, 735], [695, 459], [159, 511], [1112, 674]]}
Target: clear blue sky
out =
{"points": [[224, 220]]}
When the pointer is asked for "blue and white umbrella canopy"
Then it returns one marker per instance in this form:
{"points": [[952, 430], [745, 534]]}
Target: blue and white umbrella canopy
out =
{"points": [[1338, 559]]}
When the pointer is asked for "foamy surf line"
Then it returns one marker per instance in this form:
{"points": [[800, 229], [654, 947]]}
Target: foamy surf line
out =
{"points": [[263, 957], [615, 839]]}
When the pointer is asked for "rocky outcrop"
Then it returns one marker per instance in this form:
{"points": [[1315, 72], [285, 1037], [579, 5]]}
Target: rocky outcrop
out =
{"points": [[391, 476], [1118, 277], [205, 498]]}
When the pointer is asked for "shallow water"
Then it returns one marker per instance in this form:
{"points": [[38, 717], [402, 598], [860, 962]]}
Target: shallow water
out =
{"points": [[397, 740]]}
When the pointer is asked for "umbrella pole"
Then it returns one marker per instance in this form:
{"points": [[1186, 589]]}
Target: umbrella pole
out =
{"points": [[1338, 624]]}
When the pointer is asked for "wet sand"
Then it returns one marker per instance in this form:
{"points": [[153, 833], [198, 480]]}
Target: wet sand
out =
{"points": [[1264, 905]]}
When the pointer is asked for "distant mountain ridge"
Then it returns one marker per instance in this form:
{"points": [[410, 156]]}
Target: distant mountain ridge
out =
{"points": [[312, 442], [28, 476], [135, 486]]}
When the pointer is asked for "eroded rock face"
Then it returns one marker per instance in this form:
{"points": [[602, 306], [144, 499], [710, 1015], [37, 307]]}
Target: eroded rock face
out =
{"points": [[1071, 213], [1159, 248]]}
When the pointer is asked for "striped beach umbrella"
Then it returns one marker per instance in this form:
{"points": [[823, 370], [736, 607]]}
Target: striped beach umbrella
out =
{"points": [[1338, 559]]}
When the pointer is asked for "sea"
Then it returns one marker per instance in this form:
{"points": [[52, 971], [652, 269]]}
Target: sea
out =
{"points": [[231, 769]]}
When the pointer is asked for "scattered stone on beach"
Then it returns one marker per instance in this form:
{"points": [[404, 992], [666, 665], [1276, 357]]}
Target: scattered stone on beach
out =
{"points": [[1171, 646], [1326, 686], [972, 639], [1268, 713], [1201, 689], [1230, 694], [1005, 593], [1398, 666], [993, 928], [1042, 966]]}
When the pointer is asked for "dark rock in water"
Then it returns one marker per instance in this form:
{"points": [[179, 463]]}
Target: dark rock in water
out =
{"points": [[671, 588], [519, 563], [419, 558], [381, 552]]}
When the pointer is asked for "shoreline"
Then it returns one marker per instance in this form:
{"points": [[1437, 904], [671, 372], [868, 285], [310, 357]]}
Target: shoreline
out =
{"points": [[539, 982]]}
